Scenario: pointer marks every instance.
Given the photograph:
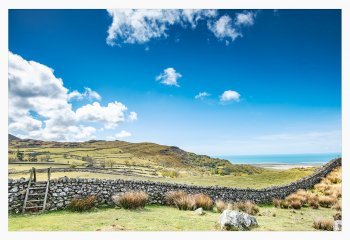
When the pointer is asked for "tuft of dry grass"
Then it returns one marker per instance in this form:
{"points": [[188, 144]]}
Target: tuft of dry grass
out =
{"points": [[284, 204], [220, 205], [295, 204], [83, 204], [276, 202], [131, 200], [247, 207], [171, 196], [203, 201], [337, 206], [327, 201], [323, 224], [185, 202]]}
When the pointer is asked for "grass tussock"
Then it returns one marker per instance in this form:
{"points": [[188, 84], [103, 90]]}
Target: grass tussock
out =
{"points": [[247, 207], [172, 196], [327, 201], [131, 200], [185, 201], [83, 204], [220, 206], [323, 224], [203, 201]]}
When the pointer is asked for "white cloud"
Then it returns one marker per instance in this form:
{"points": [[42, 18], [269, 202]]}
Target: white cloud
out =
{"points": [[39, 105], [133, 116], [223, 28], [229, 95], [245, 19], [169, 77], [121, 134], [88, 93], [111, 115], [202, 95], [141, 25]]}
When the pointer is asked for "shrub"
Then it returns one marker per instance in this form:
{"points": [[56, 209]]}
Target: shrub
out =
{"points": [[295, 204], [276, 202], [312, 200], [323, 224], [220, 205], [171, 196], [170, 173], [337, 216], [185, 202], [327, 201], [131, 200], [203, 201], [247, 207], [72, 165], [299, 196], [335, 176], [83, 204]]}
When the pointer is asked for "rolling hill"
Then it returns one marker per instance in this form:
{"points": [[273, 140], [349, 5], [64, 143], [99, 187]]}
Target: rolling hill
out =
{"points": [[143, 154]]}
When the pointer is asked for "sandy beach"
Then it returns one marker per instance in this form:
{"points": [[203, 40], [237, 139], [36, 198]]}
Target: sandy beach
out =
{"points": [[282, 166]]}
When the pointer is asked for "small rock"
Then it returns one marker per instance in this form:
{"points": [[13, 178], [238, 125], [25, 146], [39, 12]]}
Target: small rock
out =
{"points": [[337, 225], [199, 211]]}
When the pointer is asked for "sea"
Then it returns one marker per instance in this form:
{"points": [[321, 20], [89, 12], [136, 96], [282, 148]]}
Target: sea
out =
{"points": [[289, 159]]}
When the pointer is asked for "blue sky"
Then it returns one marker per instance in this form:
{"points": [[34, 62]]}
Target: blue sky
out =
{"points": [[281, 71]]}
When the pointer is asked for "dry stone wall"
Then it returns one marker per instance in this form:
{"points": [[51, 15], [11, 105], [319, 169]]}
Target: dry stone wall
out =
{"points": [[63, 190]]}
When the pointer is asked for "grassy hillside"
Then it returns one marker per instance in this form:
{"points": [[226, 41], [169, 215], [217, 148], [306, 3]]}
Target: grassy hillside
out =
{"points": [[158, 158]]}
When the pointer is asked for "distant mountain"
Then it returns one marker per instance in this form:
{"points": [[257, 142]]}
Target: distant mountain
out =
{"points": [[162, 155]]}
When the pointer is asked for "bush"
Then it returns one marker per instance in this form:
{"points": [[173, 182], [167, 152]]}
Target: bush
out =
{"points": [[323, 224], [72, 165], [247, 207], [83, 204], [131, 200], [327, 201], [170, 173], [171, 196], [220, 205], [203, 201]]}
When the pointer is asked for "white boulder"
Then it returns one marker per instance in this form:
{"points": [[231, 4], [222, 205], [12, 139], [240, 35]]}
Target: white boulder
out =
{"points": [[234, 220]]}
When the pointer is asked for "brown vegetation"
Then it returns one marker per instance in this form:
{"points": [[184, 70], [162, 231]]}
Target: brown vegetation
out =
{"points": [[323, 224], [83, 204], [220, 205], [131, 200], [247, 207]]}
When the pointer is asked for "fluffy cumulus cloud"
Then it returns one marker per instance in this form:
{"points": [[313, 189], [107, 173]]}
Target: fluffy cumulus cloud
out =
{"points": [[39, 105], [141, 25], [202, 95], [169, 77], [229, 96]]}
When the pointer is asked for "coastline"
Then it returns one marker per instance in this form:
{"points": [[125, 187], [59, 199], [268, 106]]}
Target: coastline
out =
{"points": [[286, 166]]}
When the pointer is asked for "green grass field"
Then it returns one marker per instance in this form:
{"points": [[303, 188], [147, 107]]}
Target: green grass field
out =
{"points": [[261, 180], [161, 218]]}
